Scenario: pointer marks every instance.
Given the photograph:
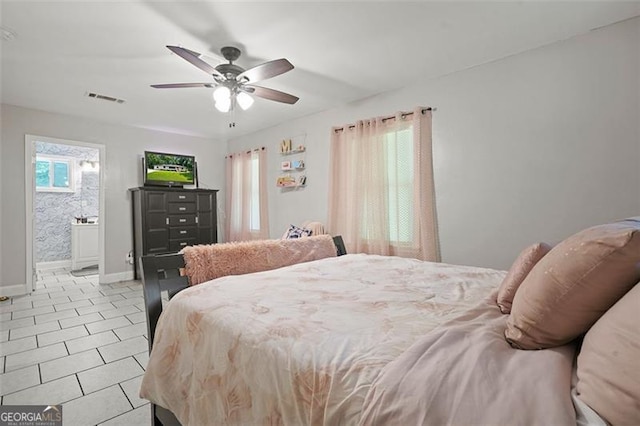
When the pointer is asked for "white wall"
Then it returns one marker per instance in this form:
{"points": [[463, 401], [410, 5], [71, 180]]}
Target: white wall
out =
{"points": [[529, 148], [124, 147]]}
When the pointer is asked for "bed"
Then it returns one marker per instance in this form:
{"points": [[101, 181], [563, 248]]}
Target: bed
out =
{"points": [[353, 339]]}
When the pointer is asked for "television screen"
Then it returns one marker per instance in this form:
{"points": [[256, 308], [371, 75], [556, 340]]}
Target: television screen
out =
{"points": [[169, 169]]}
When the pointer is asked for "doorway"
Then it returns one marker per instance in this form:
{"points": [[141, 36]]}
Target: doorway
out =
{"points": [[64, 195]]}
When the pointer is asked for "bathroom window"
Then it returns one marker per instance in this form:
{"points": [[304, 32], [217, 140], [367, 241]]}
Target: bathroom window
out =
{"points": [[54, 174]]}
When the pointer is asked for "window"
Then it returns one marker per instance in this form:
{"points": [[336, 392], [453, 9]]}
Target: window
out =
{"points": [[381, 198], [246, 206], [54, 174], [254, 214], [396, 187], [399, 150]]}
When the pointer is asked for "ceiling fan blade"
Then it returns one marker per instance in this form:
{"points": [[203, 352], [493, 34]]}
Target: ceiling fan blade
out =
{"points": [[266, 70], [180, 85], [194, 58], [271, 94]]}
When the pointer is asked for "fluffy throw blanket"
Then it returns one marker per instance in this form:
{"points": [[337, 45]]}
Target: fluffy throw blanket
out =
{"points": [[206, 262]]}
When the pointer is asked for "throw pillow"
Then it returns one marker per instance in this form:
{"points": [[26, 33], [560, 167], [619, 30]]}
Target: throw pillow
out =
{"points": [[523, 264], [574, 284], [296, 232]]}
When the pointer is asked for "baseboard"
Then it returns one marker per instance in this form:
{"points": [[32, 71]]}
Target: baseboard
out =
{"points": [[116, 278], [83, 264], [14, 290], [56, 264]]}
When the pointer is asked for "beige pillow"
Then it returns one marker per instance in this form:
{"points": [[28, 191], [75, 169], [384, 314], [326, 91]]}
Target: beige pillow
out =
{"points": [[574, 284], [523, 264], [609, 363]]}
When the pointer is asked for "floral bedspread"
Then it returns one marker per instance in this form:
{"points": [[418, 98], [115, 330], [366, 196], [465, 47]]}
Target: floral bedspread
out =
{"points": [[301, 344]]}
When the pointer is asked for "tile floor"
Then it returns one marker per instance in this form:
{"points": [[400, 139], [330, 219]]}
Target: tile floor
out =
{"points": [[78, 343]]}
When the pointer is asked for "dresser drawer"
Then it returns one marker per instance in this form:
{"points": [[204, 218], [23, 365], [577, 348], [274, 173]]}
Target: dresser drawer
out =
{"points": [[177, 208], [176, 245], [182, 233], [182, 219], [174, 197]]}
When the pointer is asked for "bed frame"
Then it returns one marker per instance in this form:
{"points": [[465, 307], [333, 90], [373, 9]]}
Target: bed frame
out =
{"points": [[161, 273]]}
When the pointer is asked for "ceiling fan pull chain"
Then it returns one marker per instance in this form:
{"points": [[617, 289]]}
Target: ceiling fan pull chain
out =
{"points": [[232, 122]]}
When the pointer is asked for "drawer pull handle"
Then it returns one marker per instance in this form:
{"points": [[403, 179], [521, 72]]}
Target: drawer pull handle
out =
{"points": [[183, 232], [167, 221], [183, 220], [183, 244], [182, 197], [182, 209]]}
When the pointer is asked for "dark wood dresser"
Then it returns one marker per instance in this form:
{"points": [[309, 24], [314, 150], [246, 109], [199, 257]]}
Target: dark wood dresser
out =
{"points": [[167, 219]]}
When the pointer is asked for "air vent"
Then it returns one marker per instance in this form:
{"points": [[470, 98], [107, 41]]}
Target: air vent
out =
{"points": [[105, 97]]}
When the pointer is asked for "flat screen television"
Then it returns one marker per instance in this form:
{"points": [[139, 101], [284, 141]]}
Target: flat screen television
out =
{"points": [[162, 169]]}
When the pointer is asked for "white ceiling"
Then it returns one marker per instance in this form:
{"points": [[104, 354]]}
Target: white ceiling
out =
{"points": [[342, 51]]}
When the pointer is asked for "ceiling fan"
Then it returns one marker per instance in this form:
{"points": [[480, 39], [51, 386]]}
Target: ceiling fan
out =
{"points": [[234, 84]]}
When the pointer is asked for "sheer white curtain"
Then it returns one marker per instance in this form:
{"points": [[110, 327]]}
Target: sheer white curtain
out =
{"points": [[246, 202], [381, 196]]}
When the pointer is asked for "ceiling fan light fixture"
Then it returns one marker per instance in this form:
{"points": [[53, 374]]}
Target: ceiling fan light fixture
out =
{"points": [[222, 94], [223, 105], [244, 100]]}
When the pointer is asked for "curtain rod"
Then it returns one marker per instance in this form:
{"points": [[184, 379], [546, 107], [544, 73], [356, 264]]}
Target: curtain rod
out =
{"points": [[262, 148], [391, 117]]}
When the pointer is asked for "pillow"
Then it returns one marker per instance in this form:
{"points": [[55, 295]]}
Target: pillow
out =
{"points": [[316, 228], [523, 264], [296, 232], [574, 284], [608, 363]]}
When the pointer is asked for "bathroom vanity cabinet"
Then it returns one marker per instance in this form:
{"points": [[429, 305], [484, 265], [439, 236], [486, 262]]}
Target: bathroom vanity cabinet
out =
{"points": [[84, 245], [165, 220]]}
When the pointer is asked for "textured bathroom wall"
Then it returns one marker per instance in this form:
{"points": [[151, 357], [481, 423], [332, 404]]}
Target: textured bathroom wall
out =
{"points": [[55, 211]]}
